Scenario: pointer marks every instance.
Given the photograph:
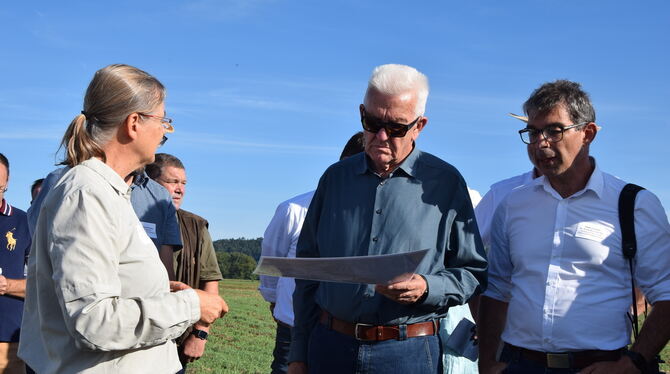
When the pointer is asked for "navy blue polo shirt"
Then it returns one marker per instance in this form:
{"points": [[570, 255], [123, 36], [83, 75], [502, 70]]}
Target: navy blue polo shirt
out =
{"points": [[14, 250]]}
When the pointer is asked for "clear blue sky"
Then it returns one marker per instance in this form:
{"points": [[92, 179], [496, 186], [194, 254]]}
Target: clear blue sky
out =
{"points": [[264, 94]]}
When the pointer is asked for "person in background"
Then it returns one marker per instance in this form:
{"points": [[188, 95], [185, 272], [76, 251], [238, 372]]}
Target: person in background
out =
{"points": [[496, 193], [35, 189], [195, 264], [98, 298], [280, 240], [14, 250]]}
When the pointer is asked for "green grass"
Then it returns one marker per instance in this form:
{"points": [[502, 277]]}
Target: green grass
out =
{"points": [[243, 340]]}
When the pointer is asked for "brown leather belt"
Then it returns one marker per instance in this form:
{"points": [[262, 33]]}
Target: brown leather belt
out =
{"points": [[369, 333], [567, 360]]}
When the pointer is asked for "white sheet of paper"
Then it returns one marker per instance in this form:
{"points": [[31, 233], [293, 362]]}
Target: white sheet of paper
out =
{"points": [[380, 269]]}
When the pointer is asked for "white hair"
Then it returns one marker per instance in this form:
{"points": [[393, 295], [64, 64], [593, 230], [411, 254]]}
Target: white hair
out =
{"points": [[394, 79]]}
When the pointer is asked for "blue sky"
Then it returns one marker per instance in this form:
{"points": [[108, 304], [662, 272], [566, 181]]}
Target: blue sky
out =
{"points": [[264, 94]]}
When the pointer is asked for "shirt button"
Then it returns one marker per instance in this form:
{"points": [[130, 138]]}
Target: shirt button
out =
{"points": [[375, 239], [378, 211]]}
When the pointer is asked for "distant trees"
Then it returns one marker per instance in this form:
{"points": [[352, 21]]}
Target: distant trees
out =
{"points": [[250, 247], [237, 257]]}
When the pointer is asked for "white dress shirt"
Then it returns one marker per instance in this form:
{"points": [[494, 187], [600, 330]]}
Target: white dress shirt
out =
{"points": [[488, 204], [280, 240], [559, 264]]}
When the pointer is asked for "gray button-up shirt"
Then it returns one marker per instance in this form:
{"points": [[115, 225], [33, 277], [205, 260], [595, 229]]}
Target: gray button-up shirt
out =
{"points": [[97, 297], [424, 204]]}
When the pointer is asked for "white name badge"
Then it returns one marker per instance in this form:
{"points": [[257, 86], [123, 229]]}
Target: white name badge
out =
{"points": [[150, 229], [592, 231]]}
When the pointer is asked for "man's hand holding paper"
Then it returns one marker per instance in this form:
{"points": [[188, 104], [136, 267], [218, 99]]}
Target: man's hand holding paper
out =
{"points": [[406, 292]]}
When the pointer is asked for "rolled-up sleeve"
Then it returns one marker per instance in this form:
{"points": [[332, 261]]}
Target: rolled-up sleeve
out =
{"points": [[209, 267], [85, 255], [652, 232]]}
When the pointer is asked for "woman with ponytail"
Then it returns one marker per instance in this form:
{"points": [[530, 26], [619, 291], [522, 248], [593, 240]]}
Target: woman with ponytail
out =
{"points": [[98, 298]]}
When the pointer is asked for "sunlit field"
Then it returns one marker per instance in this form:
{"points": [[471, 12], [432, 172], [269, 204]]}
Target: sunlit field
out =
{"points": [[242, 342]]}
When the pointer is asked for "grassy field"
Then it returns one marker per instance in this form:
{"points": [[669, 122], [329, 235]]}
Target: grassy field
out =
{"points": [[242, 342]]}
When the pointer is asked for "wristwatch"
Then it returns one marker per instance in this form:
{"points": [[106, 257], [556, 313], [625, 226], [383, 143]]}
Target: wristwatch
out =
{"points": [[200, 334]]}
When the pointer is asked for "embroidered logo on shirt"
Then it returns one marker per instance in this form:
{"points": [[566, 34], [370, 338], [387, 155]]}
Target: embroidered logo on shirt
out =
{"points": [[593, 231], [11, 242]]}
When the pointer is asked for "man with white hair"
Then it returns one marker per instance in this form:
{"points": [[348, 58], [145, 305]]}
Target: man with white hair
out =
{"points": [[392, 198]]}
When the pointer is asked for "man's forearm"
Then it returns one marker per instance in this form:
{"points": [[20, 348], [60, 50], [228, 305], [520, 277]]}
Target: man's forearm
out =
{"points": [[209, 287], [655, 332], [16, 287], [492, 318]]}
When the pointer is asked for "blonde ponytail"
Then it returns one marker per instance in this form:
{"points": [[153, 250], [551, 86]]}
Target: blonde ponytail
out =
{"points": [[78, 143], [115, 92]]}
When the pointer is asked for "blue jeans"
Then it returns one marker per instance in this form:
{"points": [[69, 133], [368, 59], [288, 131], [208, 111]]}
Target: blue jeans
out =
{"points": [[517, 364], [282, 348], [332, 352]]}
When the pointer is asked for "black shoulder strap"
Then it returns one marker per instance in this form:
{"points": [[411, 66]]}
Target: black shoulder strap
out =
{"points": [[628, 241], [627, 219]]}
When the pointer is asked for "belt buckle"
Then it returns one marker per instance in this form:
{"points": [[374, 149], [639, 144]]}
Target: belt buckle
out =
{"points": [[558, 360], [356, 331]]}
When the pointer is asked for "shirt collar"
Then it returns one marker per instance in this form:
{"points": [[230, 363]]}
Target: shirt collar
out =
{"points": [[595, 183], [108, 174], [5, 208], [408, 166], [141, 179]]}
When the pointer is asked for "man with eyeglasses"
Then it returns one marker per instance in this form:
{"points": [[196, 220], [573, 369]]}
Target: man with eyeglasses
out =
{"points": [[195, 264], [392, 198], [559, 285], [14, 250]]}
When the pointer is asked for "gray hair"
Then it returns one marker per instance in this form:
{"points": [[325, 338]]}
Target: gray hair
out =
{"points": [[115, 92], [394, 79], [551, 94]]}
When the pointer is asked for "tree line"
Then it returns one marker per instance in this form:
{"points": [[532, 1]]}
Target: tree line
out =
{"points": [[238, 257]]}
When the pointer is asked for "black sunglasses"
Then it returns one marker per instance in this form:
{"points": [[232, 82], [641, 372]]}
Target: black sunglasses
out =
{"points": [[393, 129]]}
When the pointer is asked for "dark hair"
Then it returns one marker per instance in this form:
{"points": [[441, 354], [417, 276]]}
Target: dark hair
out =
{"points": [[356, 144], [4, 161], [36, 184], [551, 94], [155, 169]]}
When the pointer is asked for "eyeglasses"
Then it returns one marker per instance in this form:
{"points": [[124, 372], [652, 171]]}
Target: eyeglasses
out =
{"points": [[3, 189], [165, 138], [393, 129], [165, 122], [551, 134]]}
